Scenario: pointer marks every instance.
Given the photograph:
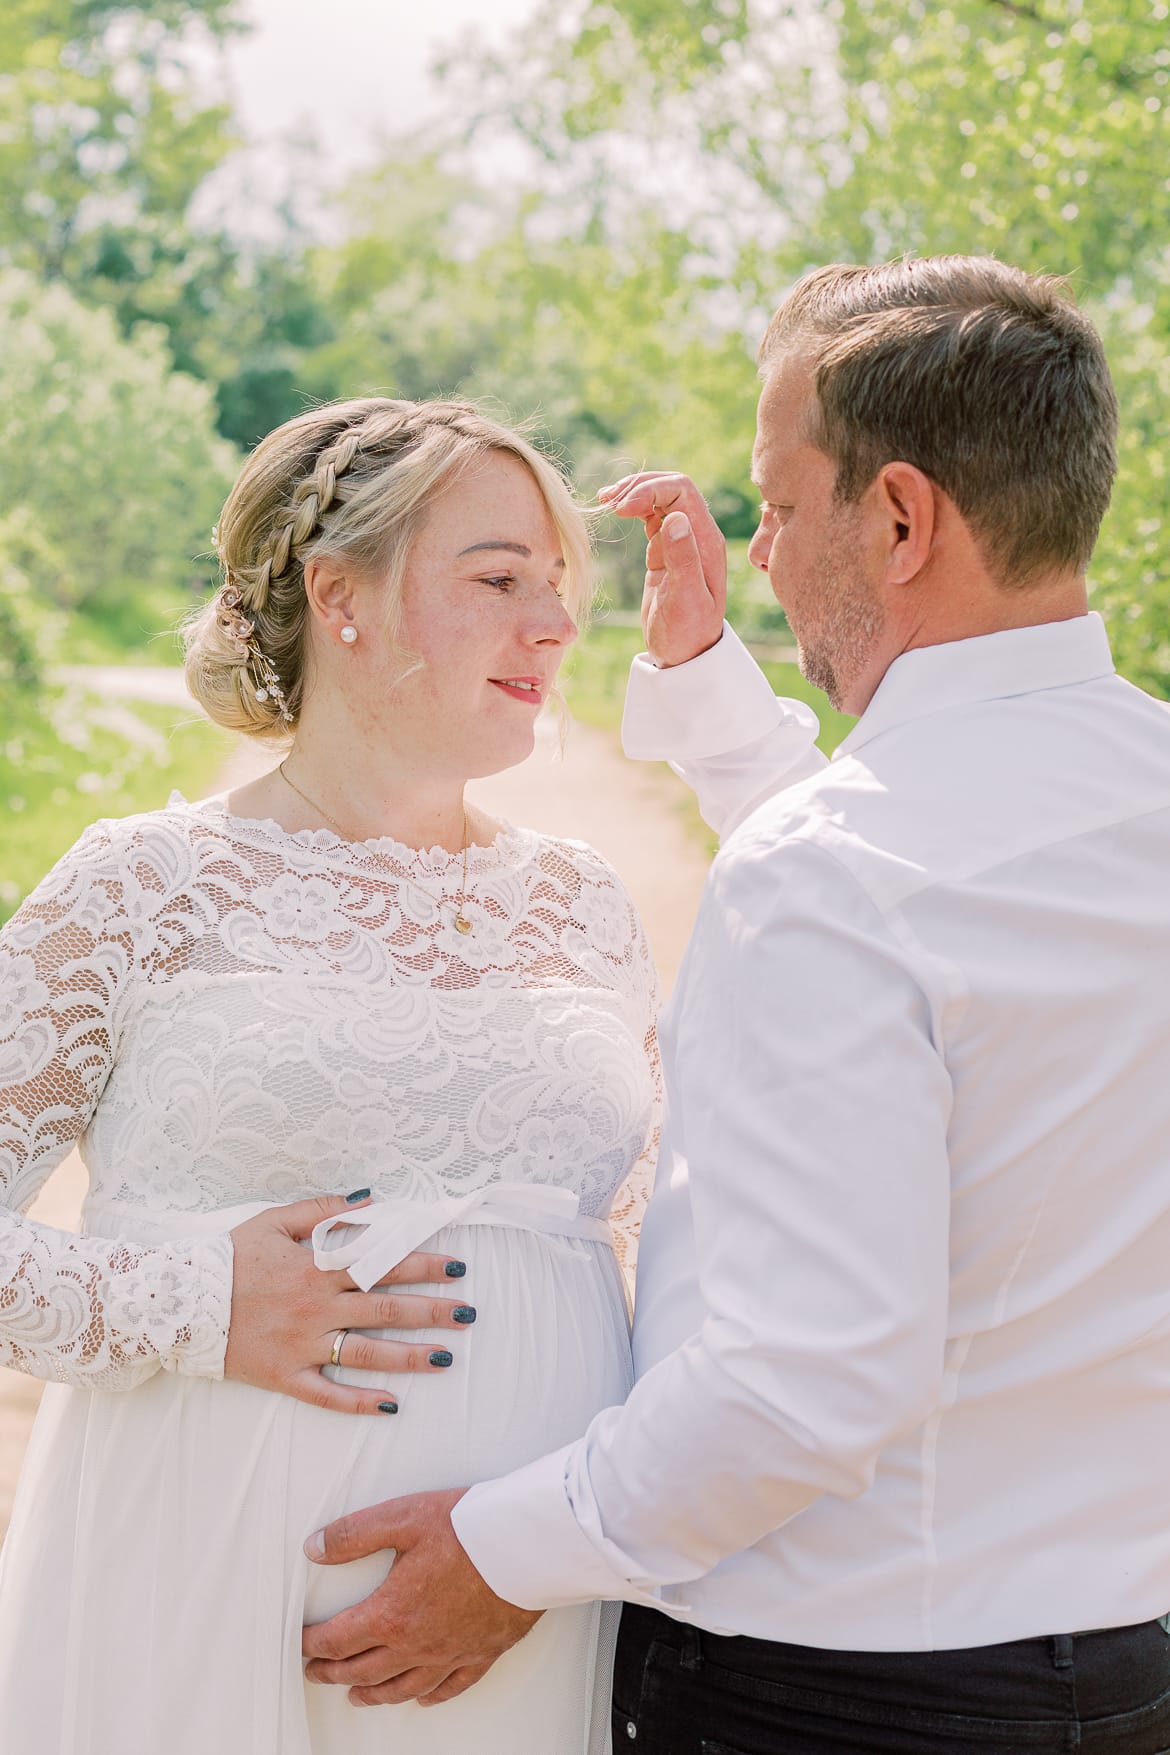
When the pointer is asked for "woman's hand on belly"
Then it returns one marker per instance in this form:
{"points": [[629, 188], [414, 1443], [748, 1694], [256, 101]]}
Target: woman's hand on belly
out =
{"points": [[287, 1315]]}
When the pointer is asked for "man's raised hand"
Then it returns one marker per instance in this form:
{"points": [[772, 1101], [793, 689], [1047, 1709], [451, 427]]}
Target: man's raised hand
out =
{"points": [[685, 596]]}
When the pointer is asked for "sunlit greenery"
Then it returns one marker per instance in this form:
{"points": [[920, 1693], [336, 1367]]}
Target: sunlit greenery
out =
{"points": [[72, 756], [675, 167]]}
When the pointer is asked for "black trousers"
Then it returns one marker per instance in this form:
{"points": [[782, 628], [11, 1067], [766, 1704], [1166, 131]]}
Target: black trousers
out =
{"points": [[680, 1691]]}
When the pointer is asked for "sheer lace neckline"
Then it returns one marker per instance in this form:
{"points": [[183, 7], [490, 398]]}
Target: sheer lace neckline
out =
{"points": [[506, 847]]}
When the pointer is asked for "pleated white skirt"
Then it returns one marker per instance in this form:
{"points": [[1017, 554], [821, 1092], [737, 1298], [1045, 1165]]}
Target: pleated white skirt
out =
{"points": [[153, 1585]]}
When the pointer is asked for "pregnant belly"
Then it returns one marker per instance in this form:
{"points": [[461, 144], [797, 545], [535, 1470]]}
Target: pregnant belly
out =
{"points": [[548, 1349], [218, 1484]]}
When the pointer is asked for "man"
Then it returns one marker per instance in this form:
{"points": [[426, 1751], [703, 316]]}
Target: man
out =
{"points": [[893, 1474]]}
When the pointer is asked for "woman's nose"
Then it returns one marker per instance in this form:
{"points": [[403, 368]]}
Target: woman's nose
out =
{"points": [[553, 625]]}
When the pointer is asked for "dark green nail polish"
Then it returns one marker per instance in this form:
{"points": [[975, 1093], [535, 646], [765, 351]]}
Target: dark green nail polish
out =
{"points": [[358, 1194], [455, 1270], [442, 1358], [463, 1313], [387, 1407]]}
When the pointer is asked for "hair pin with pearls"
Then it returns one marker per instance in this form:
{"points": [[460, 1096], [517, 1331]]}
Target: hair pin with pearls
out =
{"points": [[266, 684]]}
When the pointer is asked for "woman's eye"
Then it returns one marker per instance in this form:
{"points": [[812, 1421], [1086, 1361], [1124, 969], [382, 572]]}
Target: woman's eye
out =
{"points": [[501, 581]]}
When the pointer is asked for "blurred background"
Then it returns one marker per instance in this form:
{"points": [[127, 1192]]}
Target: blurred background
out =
{"points": [[213, 212]]}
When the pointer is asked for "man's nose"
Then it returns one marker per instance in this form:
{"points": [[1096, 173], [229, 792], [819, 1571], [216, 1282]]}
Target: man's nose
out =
{"points": [[759, 549]]}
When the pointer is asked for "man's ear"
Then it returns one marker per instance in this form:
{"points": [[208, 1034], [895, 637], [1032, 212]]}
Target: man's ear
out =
{"points": [[905, 500]]}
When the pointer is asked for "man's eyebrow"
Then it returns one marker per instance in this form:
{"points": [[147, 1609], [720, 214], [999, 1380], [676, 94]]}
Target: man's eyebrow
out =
{"points": [[512, 548]]}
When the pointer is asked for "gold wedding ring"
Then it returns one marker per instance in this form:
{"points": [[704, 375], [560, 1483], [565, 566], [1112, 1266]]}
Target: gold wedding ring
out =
{"points": [[335, 1355]]}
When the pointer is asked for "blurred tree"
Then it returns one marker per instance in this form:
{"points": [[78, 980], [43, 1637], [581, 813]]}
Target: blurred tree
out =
{"points": [[111, 458], [1038, 130], [442, 288], [105, 135]]}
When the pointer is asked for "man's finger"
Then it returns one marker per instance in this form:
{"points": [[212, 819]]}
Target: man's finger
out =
{"points": [[679, 550], [359, 1534], [410, 1685], [364, 1669], [458, 1682]]}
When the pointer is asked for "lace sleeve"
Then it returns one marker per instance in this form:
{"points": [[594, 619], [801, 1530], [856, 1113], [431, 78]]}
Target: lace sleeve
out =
{"points": [[630, 1201], [86, 1310]]}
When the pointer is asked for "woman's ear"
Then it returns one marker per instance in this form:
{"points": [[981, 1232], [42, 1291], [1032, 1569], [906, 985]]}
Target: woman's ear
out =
{"points": [[329, 591], [905, 499]]}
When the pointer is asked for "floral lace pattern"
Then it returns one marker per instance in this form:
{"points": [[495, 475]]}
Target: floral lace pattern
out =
{"points": [[226, 1012]]}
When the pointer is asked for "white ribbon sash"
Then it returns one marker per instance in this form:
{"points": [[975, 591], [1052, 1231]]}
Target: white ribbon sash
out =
{"points": [[374, 1239], [389, 1230]]}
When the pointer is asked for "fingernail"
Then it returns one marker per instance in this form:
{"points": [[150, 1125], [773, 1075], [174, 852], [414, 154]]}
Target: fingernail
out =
{"points": [[463, 1313], [358, 1194], [387, 1407], [455, 1270], [315, 1546], [442, 1358], [676, 526]]}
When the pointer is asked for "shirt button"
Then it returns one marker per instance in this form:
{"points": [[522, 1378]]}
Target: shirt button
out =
{"points": [[631, 1728]]}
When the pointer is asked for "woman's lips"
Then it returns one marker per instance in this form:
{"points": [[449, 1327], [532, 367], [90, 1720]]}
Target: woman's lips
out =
{"points": [[521, 688]]}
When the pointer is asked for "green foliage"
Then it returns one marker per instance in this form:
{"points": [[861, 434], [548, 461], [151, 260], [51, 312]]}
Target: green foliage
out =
{"points": [[29, 630], [610, 345], [104, 138], [68, 758], [1046, 138], [113, 457], [1038, 130]]}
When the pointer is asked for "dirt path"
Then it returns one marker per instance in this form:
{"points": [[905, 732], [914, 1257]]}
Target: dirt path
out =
{"points": [[629, 811]]}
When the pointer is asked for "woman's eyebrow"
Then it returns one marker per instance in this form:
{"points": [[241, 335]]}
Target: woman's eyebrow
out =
{"points": [[515, 548]]}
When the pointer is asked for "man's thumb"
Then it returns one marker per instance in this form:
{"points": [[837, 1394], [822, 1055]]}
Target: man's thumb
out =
{"points": [[676, 527]]}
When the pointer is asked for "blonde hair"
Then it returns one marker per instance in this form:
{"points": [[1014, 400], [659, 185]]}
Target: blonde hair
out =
{"points": [[350, 480]]}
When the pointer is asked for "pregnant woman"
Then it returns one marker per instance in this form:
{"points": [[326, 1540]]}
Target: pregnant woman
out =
{"points": [[338, 977]]}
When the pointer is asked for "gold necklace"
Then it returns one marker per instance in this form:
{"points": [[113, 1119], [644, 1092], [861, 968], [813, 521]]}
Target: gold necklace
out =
{"points": [[462, 924]]}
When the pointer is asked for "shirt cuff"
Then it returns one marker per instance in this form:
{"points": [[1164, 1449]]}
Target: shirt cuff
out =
{"points": [[521, 1535], [718, 702]]}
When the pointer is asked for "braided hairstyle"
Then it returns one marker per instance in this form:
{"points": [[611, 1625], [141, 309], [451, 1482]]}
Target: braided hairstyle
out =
{"points": [[351, 480]]}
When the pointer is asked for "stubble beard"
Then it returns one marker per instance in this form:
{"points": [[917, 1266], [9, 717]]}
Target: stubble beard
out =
{"points": [[850, 619]]}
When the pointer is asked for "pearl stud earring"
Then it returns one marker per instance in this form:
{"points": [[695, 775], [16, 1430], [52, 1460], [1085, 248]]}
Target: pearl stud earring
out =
{"points": [[349, 634]]}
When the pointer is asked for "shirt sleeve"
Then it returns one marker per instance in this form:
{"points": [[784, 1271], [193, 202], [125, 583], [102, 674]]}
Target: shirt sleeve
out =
{"points": [[722, 730], [808, 1101], [90, 1311]]}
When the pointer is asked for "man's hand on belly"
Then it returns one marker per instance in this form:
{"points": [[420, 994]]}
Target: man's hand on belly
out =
{"points": [[431, 1629]]}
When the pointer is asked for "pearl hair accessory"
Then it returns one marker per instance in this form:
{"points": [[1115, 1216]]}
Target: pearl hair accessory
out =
{"points": [[266, 683], [349, 634]]}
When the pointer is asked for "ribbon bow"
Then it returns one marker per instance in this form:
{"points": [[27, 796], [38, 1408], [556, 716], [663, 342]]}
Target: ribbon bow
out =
{"points": [[388, 1231]]}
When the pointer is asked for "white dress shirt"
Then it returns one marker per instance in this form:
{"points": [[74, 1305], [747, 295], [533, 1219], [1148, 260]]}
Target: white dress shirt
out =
{"points": [[902, 1327]]}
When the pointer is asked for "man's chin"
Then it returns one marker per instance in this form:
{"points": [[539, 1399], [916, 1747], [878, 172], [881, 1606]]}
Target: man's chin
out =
{"points": [[817, 670]]}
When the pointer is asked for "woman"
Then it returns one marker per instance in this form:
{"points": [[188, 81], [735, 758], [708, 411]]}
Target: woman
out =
{"points": [[338, 976]]}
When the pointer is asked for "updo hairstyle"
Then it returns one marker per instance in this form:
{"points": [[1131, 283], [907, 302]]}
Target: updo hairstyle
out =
{"points": [[352, 481]]}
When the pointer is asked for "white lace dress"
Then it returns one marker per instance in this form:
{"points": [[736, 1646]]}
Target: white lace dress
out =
{"points": [[229, 1015]]}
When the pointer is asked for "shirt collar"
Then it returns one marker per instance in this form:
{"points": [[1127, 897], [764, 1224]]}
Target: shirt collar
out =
{"points": [[1016, 661]]}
